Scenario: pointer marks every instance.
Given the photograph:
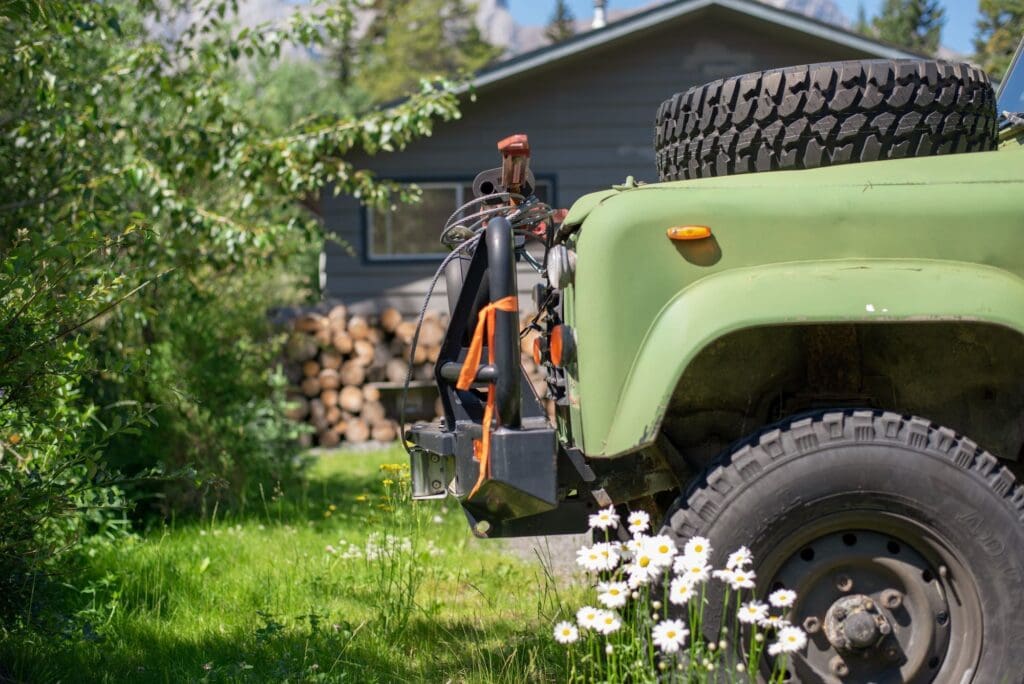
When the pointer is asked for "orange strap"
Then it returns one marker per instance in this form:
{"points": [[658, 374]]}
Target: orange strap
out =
{"points": [[484, 326]]}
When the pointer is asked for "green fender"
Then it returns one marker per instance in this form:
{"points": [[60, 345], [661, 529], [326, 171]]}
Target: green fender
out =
{"points": [[846, 290]]}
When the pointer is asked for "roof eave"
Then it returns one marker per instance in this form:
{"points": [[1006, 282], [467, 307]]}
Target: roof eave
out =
{"points": [[673, 10]]}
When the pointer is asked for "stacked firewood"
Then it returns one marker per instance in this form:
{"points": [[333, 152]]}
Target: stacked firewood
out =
{"points": [[341, 366], [338, 363]]}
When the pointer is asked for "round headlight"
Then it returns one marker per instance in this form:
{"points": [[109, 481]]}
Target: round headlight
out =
{"points": [[561, 266]]}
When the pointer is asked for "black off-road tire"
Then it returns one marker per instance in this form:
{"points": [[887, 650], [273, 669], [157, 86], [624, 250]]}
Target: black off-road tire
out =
{"points": [[825, 114], [887, 474]]}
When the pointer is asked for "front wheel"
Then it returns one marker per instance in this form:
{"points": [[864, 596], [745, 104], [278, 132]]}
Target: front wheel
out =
{"points": [[903, 541]]}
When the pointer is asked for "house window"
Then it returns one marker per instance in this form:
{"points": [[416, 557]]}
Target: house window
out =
{"points": [[413, 231]]}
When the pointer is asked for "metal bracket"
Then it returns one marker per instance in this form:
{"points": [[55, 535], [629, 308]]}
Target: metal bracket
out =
{"points": [[431, 474]]}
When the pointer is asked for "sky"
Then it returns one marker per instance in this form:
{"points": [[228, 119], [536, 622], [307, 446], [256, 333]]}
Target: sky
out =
{"points": [[956, 34]]}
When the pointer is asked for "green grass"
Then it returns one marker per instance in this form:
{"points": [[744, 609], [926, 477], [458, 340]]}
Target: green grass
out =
{"points": [[259, 598]]}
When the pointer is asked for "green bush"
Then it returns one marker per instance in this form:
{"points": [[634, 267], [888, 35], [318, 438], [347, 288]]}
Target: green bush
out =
{"points": [[216, 393], [145, 211]]}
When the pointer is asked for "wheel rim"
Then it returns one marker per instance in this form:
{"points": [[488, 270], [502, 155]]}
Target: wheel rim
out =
{"points": [[882, 598]]}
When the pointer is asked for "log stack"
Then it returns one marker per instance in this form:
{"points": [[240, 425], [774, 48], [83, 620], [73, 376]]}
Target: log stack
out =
{"points": [[338, 364]]}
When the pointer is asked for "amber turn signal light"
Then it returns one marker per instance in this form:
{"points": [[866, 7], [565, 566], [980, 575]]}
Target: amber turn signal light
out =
{"points": [[562, 345], [688, 232], [538, 350]]}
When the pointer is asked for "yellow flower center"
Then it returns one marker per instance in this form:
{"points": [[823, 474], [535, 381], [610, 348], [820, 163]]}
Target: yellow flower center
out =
{"points": [[644, 561], [663, 549], [613, 591], [698, 548], [670, 634]]}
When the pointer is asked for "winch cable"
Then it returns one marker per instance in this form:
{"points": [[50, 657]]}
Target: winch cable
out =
{"points": [[419, 324]]}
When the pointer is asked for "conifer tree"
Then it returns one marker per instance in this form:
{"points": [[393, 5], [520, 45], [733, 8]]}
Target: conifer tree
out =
{"points": [[1000, 29], [409, 40], [913, 24], [562, 25]]}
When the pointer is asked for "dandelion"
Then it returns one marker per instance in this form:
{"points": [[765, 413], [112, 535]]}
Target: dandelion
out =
{"points": [[782, 598], [612, 594], [387, 482], [791, 639], [660, 549], [680, 592], [698, 547], [588, 616], [566, 633], [607, 622], [773, 622], [752, 612], [669, 635], [639, 521], [739, 558], [605, 519], [693, 569], [742, 579], [362, 498]]}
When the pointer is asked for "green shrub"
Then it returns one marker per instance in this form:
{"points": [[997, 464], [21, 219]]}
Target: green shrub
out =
{"points": [[144, 213]]}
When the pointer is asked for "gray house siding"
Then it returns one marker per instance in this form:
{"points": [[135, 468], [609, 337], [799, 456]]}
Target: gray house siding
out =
{"points": [[590, 121]]}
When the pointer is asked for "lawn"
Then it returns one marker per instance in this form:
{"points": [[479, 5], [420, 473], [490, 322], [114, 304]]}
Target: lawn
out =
{"points": [[306, 588]]}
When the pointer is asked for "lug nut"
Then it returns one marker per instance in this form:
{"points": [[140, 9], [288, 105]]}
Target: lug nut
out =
{"points": [[892, 599], [838, 666], [883, 625], [844, 583], [812, 624]]}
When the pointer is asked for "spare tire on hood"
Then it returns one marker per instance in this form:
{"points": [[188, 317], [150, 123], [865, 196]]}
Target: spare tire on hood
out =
{"points": [[816, 115]]}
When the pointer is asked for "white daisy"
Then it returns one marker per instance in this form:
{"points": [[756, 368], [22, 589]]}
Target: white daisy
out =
{"points": [[607, 622], [724, 576], [588, 558], [566, 633], [605, 519], [698, 547], [608, 554], [679, 592], [782, 598], [773, 622], [742, 579], [661, 550], [630, 548], [669, 635], [600, 556], [739, 558], [612, 594], [693, 570], [752, 612], [791, 639], [639, 521], [587, 617], [641, 572]]}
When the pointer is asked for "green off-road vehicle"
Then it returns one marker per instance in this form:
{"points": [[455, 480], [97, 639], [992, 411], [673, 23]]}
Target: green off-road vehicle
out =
{"points": [[808, 339]]}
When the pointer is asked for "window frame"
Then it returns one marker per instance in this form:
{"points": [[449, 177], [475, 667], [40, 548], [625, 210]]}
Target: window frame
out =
{"points": [[444, 182]]}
